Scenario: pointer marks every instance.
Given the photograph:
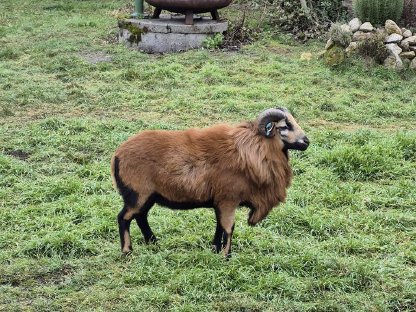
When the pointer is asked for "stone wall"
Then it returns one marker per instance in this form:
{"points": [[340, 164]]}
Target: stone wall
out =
{"points": [[400, 43]]}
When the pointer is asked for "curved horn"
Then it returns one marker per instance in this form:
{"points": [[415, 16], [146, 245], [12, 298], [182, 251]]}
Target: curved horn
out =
{"points": [[268, 116]]}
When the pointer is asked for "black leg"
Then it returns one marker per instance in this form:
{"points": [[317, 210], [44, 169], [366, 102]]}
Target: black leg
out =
{"points": [[189, 18], [227, 238], [141, 220], [216, 242], [124, 230], [225, 213], [157, 12], [215, 15]]}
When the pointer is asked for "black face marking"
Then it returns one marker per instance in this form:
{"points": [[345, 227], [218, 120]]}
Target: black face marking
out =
{"points": [[289, 125], [129, 196], [296, 146]]}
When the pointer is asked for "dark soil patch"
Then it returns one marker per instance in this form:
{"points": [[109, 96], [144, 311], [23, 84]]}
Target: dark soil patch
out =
{"points": [[18, 154], [55, 277]]}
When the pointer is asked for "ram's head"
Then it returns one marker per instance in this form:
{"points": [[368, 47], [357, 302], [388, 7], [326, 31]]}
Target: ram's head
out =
{"points": [[279, 123]]}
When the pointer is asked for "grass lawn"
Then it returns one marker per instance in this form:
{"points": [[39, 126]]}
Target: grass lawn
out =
{"points": [[343, 241]]}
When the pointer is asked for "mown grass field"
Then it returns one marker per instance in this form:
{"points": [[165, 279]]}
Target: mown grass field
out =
{"points": [[343, 241]]}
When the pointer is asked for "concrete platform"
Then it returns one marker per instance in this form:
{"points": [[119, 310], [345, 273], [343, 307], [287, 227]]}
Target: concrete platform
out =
{"points": [[168, 33]]}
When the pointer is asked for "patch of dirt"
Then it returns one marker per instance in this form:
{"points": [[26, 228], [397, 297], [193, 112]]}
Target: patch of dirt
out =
{"points": [[17, 154], [96, 57], [55, 277], [281, 50]]}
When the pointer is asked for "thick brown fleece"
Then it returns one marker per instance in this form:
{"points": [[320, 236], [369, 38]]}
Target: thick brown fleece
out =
{"points": [[226, 165]]}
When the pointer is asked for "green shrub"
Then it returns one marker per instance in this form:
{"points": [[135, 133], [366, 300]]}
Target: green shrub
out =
{"points": [[378, 11], [335, 56], [290, 16], [213, 42], [340, 35], [374, 48]]}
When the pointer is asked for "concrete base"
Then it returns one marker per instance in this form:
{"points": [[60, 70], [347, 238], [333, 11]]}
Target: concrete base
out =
{"points": [[168, 33]]}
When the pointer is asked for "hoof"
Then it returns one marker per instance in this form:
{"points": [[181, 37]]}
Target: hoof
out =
{"points": [[215, 248], [151, 240], [127, 250]]}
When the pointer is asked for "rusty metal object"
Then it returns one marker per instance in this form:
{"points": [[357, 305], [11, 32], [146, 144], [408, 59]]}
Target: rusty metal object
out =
{"points": [[189, 7]]}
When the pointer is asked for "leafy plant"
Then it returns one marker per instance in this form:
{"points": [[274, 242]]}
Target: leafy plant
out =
{"points": [[374, 47], [335, 56], [378, 11], [213, 42], [308, 20], [340, 35]]}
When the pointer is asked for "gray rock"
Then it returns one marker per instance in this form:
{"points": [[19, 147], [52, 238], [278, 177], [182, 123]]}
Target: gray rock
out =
{"points": [[406, 63], [406, 33], [393, 62], [411, 40], [355, 24], [413, 64], [361, 36], [394, 38], [390, 62], [412, 48], [408, 55], [394, 49], [345, 28], [366, 27], [405, 46], [329, 44], [351, 48], [392, 27]]}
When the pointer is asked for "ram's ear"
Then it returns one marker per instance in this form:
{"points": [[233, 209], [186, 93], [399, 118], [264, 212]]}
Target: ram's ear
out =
{"points": [[269, 130], [267, 119]]}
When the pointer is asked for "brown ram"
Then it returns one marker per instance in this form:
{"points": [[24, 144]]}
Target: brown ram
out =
{"points": [[220, 167]]}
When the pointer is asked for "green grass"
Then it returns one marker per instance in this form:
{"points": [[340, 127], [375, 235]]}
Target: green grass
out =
{"points": [[343, 241]]}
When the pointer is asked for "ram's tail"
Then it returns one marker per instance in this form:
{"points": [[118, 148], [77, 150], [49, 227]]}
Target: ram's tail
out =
{"points": [[129, 195], [115, 172]]}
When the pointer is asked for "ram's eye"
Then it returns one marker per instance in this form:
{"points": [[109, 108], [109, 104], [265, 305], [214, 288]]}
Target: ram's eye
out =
{"points": [[284, 131]]}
